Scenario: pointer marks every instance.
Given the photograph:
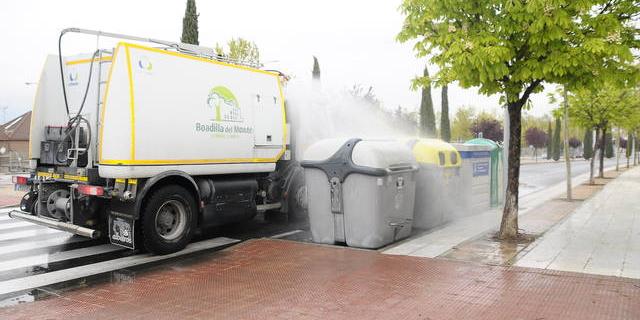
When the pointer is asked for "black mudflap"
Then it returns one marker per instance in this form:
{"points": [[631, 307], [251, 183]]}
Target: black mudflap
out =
{"points": [[121, 231]]}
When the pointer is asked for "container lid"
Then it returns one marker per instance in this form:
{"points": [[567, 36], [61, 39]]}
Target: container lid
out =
{"points": [[382, 154], [436, 152], [323, 149], [483, 141], [341, 157]]}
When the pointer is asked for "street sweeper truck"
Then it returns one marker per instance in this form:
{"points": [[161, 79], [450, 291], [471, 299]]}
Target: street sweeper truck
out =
{"points": [[147, 141]]}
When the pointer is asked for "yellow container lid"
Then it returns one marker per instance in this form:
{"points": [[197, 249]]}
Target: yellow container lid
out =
{"points": [[436, 152]]}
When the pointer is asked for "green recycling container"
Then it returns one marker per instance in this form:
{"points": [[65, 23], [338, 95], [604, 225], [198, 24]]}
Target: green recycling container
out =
{"points": [[496, 168]]}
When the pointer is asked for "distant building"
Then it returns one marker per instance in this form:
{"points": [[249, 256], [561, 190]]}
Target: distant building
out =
{"points": [[14, 143]]}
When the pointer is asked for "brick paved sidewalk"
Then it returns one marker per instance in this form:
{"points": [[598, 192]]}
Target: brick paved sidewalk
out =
{"points": [[275, 279]]}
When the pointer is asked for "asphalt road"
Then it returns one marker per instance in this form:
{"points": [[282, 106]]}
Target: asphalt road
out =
{"points": [[537, 176]]}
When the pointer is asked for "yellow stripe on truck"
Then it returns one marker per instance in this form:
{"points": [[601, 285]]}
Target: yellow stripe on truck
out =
{"points": [[104, 101], [131, 105], [62, 176], [76, 178], [105, 58]]}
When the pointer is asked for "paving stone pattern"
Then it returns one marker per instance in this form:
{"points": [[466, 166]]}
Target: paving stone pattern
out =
{"points": [[277, 279]]}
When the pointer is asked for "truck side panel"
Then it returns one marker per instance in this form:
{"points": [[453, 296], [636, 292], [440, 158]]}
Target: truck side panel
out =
{"points": [[116, 112], [169, 109]]}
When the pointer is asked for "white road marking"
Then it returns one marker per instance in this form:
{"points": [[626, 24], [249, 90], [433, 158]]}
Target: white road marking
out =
{"points": [[28, 233], [4, 213], [64, 238], [15, 224], [46, 258], [285, 234], [50, 278]]}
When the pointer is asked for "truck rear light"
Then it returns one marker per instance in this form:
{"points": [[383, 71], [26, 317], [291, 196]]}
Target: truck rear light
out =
{"points": [[90, 190], [20, 180]]}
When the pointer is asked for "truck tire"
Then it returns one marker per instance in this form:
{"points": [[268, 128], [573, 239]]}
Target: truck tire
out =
{"points": [[29, 202], [296, 198], [168, 220]]}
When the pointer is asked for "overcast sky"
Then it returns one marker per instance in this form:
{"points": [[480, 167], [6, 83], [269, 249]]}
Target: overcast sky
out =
{"points": [[354, 41]]}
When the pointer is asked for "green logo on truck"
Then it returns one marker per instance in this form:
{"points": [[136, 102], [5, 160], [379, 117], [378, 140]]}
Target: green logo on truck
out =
{"points": [[145, 64], [224, 104]]}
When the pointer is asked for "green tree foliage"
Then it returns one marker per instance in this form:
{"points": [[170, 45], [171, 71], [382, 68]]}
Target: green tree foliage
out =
{"points": [[240, 50], [599, 108], [427, 116], [366, 95], [608, 146], [587, 151], [445, 129], [190, 24], [549, 145], [462, 122], [511, 47], [556, 140], [631, 121]]}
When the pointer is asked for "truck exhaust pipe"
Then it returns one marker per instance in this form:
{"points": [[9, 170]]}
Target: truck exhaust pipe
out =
{"points": [[58, 225]]}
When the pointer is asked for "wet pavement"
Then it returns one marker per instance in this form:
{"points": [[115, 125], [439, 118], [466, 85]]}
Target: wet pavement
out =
{"points": [[275, 279], [48, 264], [37, 261], [486, 249], [600, 237], [8, 197], [440, 240]]}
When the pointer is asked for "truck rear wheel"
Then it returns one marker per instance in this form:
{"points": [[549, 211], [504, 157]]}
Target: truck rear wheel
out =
{"points": [[168, 220]]}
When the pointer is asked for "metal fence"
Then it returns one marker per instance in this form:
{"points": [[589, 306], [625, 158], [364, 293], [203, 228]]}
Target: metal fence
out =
{"points": [[13, 162]]}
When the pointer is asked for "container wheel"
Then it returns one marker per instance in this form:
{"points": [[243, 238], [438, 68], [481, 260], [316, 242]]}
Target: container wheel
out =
{"points": [[168, 220]]}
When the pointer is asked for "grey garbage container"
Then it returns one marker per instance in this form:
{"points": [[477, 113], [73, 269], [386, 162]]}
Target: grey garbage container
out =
{"points": [[360, 192], [475, 195]]}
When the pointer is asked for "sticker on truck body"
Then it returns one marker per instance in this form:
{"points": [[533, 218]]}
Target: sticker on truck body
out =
{"points": [[121, 231]]}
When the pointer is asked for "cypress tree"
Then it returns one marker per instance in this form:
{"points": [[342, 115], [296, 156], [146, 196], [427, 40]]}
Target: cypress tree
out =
{"points": [[608, 146], [549, 145], [556, 141], [587, 152], [445, 128], [190, 24], [315, 73], [427, 116]]}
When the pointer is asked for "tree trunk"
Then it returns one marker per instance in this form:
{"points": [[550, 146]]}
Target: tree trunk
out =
{"points": [[509, 224], [618, 149], [635, 153], [593, 157], [567, 159], [445, 128], [603, 143]]}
